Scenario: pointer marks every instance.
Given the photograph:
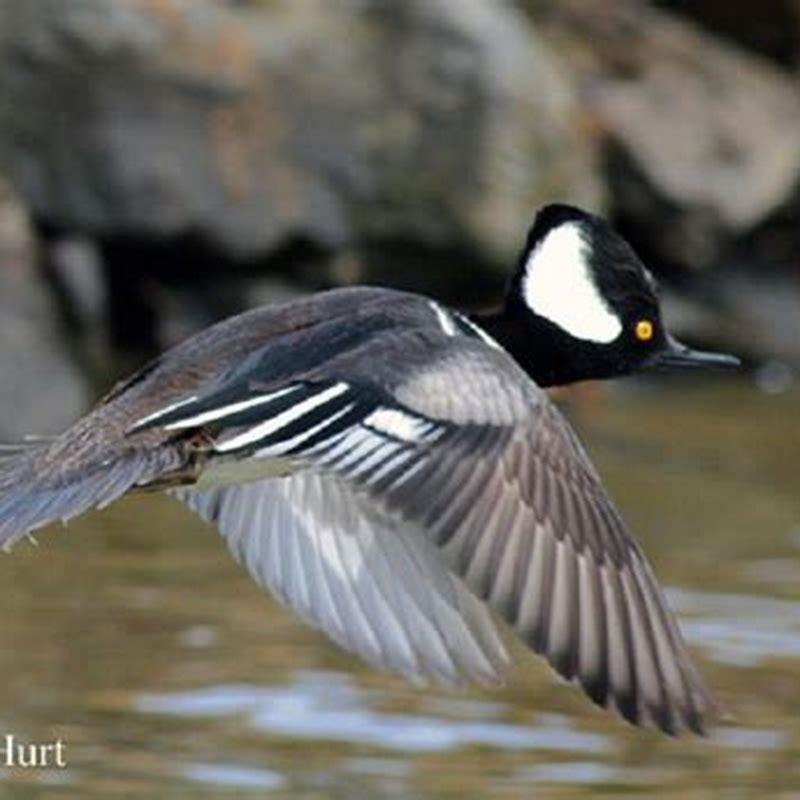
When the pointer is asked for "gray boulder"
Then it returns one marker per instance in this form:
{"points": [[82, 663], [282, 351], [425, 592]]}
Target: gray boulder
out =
{"points": [[251, 124], [704, 135]]}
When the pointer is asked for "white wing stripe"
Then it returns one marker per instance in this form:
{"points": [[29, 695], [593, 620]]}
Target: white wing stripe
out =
{"points": [[283, 419], [162, 412], [397, 424], [289, 444], [232, 408]]}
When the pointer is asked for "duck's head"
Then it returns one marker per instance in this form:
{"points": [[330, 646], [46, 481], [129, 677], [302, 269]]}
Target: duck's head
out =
{"points": [[582, 305]]}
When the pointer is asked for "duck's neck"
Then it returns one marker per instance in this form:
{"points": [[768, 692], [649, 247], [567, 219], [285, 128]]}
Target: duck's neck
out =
{"points": [[542, 350]]}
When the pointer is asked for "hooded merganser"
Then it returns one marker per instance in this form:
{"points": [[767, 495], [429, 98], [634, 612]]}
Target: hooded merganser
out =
{"points": [[391, 470]]}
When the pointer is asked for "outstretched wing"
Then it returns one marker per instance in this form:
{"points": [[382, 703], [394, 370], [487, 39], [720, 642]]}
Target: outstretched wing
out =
{"points": [[342, 565], [532, 532], [468, 454]]}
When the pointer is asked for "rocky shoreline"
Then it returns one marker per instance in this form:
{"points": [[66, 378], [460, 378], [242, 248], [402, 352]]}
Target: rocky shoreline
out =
{"points": [[166, 163]]}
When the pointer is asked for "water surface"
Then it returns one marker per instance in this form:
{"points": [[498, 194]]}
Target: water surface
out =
{"points": [[134, 638]]}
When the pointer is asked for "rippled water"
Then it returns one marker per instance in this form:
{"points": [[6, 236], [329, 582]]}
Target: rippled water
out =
{"points": [[137, 641]]}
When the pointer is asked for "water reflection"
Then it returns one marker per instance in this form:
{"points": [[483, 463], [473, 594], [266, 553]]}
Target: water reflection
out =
{"points": [[234, 776], [322, 706], [739, 629]]}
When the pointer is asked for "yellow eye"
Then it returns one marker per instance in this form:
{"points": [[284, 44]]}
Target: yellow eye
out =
{"points": [[644, 330]]}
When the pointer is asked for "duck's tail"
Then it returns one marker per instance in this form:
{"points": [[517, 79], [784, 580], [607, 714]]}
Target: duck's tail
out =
{"points": [[48, 480]]}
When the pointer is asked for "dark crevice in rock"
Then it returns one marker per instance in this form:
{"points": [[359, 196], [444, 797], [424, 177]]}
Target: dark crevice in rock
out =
{"points": [[454, 274], [672, 240], [771, 29], [47, 237], [159, 290]]}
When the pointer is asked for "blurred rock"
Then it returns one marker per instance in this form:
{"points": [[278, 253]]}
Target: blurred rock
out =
{"points": [[249, 124], [41, 391], [766, 312], [757, 317], [703, 136]]}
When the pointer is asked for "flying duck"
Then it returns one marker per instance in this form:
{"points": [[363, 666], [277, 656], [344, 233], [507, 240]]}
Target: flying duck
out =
{"points": [[393, 471]]}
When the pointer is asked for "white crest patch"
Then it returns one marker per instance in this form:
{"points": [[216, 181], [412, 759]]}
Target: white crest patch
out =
{"points": [[558, 286]]}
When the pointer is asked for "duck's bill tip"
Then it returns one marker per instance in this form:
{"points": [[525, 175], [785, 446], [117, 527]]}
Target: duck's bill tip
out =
{"points": [[677, 355]]}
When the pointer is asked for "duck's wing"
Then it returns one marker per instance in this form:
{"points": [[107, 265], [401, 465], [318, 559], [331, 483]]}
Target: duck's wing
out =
{"points": [[96, 460], [374, 586], [532, 531], [465, 451]]}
